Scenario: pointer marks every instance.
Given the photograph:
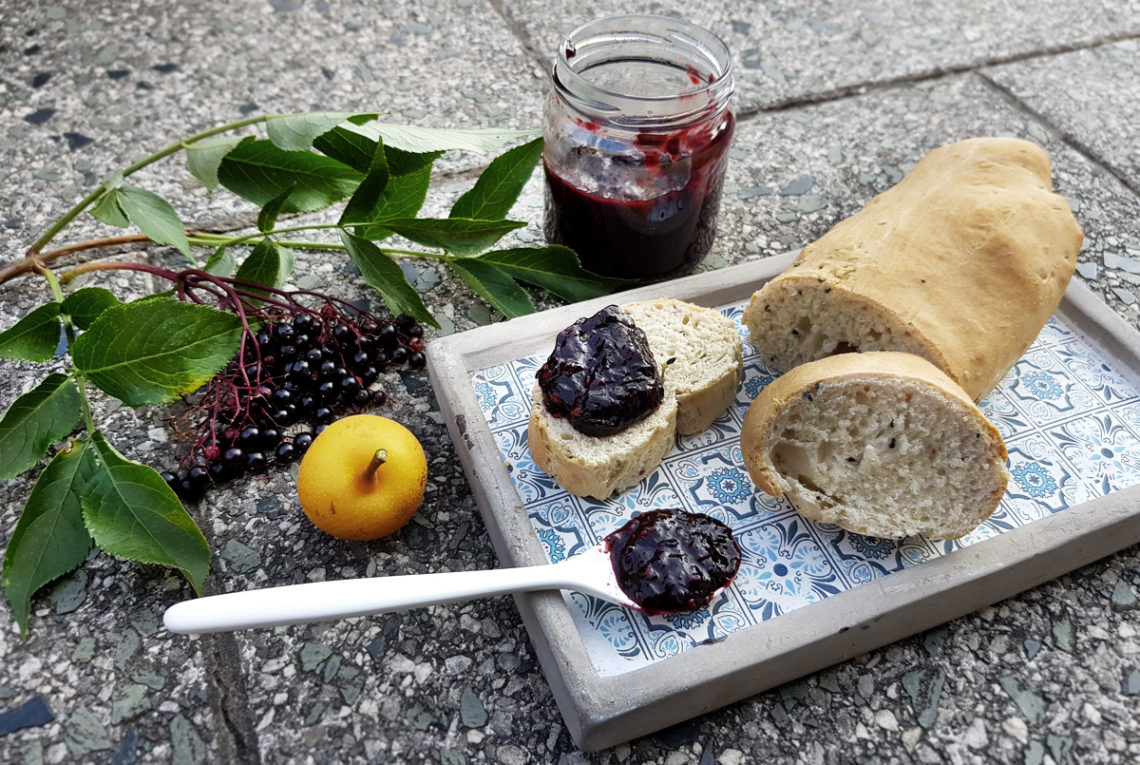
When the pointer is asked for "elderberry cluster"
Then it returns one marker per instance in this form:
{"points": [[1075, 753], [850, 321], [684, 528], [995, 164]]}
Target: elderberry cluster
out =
{"points": [[299, 371]]}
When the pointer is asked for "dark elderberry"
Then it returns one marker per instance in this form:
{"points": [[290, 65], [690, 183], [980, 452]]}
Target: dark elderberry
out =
{"points": [[170, 478], [323, 415], [388, 336], [379, 397], [282, 396], [299, 369], [250, 438], [255, 462], [404, 322], [361, 359], [313, 356], [398, 355], [369, 375], [415, 331], [234, 456], [220, 472], [303, 322], [329, 370], [328, 391], [342, 333], [285, 333], [349, 385], [362, 397], [285, 452], [194, 485], [287, 352], [417, 359], [270, 437], [306, 403], [302, 441]]}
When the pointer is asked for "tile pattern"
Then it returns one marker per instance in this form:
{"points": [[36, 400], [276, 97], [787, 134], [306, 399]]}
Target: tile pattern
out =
{"points": [[1071, 424]]}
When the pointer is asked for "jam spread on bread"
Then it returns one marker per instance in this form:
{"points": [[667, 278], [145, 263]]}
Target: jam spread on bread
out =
{"points": [[672, 561], [601, 376]]}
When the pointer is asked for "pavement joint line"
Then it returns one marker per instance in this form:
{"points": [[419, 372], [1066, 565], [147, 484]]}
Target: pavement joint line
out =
{"points": [[862, 88], [520, 33], [1063, 135]]}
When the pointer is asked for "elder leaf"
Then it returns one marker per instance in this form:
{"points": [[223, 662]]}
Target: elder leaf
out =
{"points": [[494, 285], [461, 236], [269, 263], [154, 216], [50, 538], [258, 171], [84, 305], [383, 273], [109, 210], [203, 158], [132, 513], [298, 132], [368, 194], [221, 263], [426, 139], [267, 216], [34, 337], [555, 269], [152, 351], [499, 185], [35, 421]]}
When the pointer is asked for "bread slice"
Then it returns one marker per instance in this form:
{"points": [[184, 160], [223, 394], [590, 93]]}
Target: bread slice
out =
{"points": [[700, 385], [598, 466], [707, 357], [962, 263], [880, 443]]}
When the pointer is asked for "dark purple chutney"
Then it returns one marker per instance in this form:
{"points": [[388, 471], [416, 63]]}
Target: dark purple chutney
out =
{"points": [[652, 238], [601, 376], [672, 561]]}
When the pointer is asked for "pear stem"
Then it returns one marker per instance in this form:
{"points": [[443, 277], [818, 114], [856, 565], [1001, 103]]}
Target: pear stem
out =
{"points": [[378, 459]]}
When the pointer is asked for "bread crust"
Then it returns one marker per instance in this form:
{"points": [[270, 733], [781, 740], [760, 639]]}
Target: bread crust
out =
{"points": [[962, 262], [758, 440]]}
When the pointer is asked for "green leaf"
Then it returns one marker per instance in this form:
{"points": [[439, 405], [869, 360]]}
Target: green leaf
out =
{"points": [[152, 351], [494, 285], [35, 421], [154, 216], [204, 157], [555, 269], [34, 337], [402, 162], [221, 262], [426, 139], [50, 539], [402, 198], [268, 264], [383, 273], [368, 194], [258, 171], [108, 209], [458, 235], [267, 217], [297, 132], [84, 305], [347, 146], [499, 186], [133, 514]]}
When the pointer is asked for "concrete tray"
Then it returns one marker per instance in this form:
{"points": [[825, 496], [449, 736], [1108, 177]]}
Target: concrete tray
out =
{"points": [[602, 707]]}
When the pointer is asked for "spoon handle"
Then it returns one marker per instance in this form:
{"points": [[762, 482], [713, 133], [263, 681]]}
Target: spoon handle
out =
{"points": [[315, 601]]}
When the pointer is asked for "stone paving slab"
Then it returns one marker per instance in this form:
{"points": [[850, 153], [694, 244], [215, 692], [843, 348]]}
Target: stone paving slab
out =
{"points": [[788, 51], [1051, 675], [1094, 111]]}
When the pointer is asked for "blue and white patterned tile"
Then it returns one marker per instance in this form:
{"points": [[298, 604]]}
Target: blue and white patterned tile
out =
{"points": [[1071, 424]]}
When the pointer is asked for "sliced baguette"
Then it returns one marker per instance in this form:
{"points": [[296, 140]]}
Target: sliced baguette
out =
{"points": [[707, 353], [879, 443], [700, 385], [962, 263]]}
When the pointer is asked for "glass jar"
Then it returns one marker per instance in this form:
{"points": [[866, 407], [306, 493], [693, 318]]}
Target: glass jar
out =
{"points": [[637, 128]]}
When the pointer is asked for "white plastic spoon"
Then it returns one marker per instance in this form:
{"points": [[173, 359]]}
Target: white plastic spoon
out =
{"points": [[590, 572], [685, 558]]}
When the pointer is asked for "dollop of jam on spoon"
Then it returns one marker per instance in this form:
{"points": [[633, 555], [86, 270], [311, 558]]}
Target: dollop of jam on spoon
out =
{"points": [[673, 561]]}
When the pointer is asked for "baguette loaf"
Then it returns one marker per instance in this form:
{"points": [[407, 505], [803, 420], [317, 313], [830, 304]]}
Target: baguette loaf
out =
{"points": [[700, 385], [880, 443], [961, 263]]}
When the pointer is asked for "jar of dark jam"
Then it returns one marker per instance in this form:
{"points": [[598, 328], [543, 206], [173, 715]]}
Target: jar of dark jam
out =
{"points": [[637, 129]]}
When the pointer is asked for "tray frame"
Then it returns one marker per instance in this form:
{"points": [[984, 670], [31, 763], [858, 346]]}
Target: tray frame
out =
{"points": [[602, 711]]}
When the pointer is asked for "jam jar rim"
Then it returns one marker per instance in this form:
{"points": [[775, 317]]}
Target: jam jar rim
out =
{"points": [[603, 104]]}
